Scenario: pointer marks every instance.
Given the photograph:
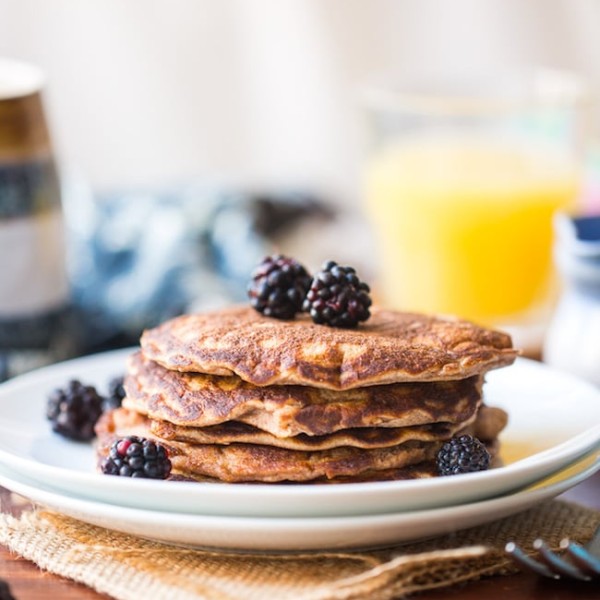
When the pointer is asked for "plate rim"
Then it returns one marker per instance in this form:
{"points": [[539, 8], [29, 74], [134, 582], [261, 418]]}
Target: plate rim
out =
{"points": [[482, 511]]}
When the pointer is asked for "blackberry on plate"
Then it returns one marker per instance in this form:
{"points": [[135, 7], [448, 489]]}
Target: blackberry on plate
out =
{"points": [[116, 393], [74, 410], [278, 287], [337, 297], [135, 456], [462, 454]]}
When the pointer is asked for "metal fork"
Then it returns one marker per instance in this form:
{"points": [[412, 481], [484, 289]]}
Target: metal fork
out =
{"points": [[584, 563]]}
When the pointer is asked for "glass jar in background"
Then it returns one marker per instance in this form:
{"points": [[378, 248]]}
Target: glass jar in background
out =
{"points": [[33, 279], [572, 342], [461, 188]]}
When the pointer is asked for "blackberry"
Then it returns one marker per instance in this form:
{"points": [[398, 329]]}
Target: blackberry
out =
{"points": [[463, 454], [135, 456], [116, 393], [278, 287], [337, 297], [74, 410]]}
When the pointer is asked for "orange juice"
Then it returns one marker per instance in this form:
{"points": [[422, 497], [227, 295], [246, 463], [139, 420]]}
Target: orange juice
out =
{"points": [[465, 225]]}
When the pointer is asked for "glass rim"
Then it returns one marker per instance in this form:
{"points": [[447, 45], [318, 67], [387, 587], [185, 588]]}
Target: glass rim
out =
{"points": [[543, 88], [19, 79]]}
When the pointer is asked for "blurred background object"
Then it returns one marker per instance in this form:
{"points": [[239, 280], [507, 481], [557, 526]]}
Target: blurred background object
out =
{"points": [[462, 184], [181, 128], [263, 92], [34, 293], [573, 337], [139, 258]]}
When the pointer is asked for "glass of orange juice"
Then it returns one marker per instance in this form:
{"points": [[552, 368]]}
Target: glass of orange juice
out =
{"points": [[461, 188]]}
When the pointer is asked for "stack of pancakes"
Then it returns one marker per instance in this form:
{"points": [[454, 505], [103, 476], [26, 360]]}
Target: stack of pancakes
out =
{"points": [[239, 397]]}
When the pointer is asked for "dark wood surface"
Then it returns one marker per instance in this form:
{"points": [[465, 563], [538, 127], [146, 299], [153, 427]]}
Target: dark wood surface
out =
{"points": [[28, 582]]}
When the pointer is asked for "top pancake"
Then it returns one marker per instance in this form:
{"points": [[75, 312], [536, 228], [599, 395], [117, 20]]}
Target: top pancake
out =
{"points": [[390, 347]]}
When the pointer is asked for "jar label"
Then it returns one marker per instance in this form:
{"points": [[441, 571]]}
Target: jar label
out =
{"points": [[28, 187], [33, 278]]}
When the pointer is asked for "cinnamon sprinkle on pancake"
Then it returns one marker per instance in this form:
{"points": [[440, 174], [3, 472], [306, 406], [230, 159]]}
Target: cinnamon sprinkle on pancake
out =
{"points": [[391, 347]]}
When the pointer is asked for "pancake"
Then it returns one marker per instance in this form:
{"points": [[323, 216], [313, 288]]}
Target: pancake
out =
{"points": [[390, 347], [252, 462], [366, 437], [424, 470], [197, 400], [486, 426], [249, 462], [120, 423], [490, 421], [411, 457]]}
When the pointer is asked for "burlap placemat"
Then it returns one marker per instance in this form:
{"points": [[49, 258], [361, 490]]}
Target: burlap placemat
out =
{"points": [[130, 568]]}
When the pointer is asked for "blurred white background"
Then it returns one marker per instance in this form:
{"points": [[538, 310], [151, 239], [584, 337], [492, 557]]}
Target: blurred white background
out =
{"points": [[261, 92]]}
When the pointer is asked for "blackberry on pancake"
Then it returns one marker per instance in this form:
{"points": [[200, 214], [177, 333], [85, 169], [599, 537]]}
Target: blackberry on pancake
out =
{"points": [[278, 287]]}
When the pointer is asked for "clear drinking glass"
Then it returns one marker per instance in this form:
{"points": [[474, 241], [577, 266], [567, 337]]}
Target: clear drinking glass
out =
{"points": [[461, 187]]}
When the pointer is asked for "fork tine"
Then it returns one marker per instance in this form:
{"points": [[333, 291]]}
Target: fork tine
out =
{"points": [[527, 562], [582, 558], [557, 564]]}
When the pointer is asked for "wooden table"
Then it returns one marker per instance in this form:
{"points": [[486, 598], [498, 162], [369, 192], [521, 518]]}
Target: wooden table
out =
{"points": [[28, 582]]}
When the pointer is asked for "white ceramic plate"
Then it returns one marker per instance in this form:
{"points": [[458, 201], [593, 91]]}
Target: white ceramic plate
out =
{"points": [[554, 420], [294, 534]]}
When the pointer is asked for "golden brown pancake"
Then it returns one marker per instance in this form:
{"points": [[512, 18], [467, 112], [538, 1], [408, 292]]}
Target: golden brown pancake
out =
{"points": [[486, 426], [390, 347], [253, 462], [238, 397], [250, 462], [196, 400], [121, 422], [365, 437], [423, 470], [411, 457], [490, 421]]}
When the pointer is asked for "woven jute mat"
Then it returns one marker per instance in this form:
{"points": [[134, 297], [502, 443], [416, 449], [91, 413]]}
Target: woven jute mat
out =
{"points": [[130, 568]]}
